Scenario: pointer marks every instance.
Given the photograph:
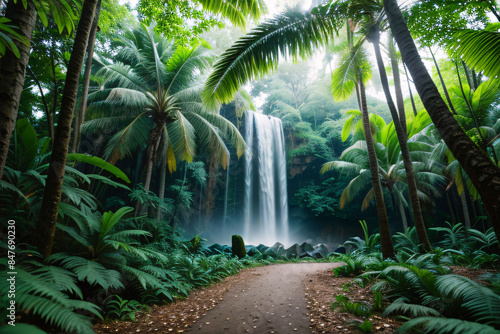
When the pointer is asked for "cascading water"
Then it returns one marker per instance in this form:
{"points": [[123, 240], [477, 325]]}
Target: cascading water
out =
{"points": [[265, 201]]}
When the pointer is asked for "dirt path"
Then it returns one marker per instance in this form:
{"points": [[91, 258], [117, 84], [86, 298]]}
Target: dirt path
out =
{"points": [[271, 300]]}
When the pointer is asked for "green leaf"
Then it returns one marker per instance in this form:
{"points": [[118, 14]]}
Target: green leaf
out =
{"points": [[21, 328], [96, 161]]}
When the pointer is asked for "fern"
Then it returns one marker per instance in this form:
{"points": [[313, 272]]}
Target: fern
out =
{"points": [[400, 306], [41, 292], [90, 271], [481, 302], [447, 326]]}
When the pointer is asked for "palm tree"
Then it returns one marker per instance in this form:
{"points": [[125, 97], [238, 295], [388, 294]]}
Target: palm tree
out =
{"points": [[46, 225], [237, 12], [13, 64], [151, 97], [368, 14], [479, 167], [47, 220], [354, 162], [294, 34]]}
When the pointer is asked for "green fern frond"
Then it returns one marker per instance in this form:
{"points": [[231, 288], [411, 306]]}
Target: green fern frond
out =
{"points": [[433, 325], [400, 306], [90, 271]]}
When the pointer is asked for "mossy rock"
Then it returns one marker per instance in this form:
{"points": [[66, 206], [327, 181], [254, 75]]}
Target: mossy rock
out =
{"points": [[238, 246]]}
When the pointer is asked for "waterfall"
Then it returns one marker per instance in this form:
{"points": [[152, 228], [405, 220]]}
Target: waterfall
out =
{"points": [[265, 200]]}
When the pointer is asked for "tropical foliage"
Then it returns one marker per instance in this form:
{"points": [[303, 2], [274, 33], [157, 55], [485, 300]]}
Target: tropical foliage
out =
{"points": [[103, 231]]}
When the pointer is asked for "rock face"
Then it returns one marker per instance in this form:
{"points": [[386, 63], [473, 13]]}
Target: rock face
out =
{"points": [[238, 246], [277, 250]]}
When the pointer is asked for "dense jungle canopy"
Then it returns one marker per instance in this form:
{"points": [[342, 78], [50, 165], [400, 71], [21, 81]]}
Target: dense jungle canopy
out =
{"points": [[133, 137]]}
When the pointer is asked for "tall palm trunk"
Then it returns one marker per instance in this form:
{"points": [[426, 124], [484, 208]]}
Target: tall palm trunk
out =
{"points": [[46, 225], [161, 190], [12, 72], [80, 114], [153, 141], [397, 84], [481, 170], [443, 84], [405, 151], [411, 93], [383, 220]]}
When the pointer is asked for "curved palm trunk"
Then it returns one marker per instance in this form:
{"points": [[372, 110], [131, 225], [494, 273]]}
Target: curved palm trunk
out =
{"points": [[12, 72], [46, 225], [481, 170], [383, 220], [80, 115], [405, 151]]}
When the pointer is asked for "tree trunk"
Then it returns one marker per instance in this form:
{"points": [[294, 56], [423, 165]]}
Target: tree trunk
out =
{"points": [[403, 214], [161, 190], [465, 209], [46, 225], [451, 208], [383, 220], [405, 151], [411, 93], [213, 169], [443, 84], [397, 84], [80, 115], [154, 137], [481, 170], [12, 72]]}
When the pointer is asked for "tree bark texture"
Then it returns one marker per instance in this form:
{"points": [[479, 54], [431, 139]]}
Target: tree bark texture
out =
{"points": [[481, 170], [383, 220], [80, 115], [397, 84], [46, 225], [12, 73], [405, 151], [151, 149]]}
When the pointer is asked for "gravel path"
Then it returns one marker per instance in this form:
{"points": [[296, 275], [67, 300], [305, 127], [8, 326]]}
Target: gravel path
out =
{"points": [[272, 300]]}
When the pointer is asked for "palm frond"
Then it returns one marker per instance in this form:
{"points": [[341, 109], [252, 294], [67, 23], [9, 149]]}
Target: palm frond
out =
{"points": [[184, 65], [236, 10], [128, 140], [354, 187], [290, 34], [182, 138], [227, 130], [122, 75], [345, 77], [341, 166], [209, 138], [479, 49]]}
